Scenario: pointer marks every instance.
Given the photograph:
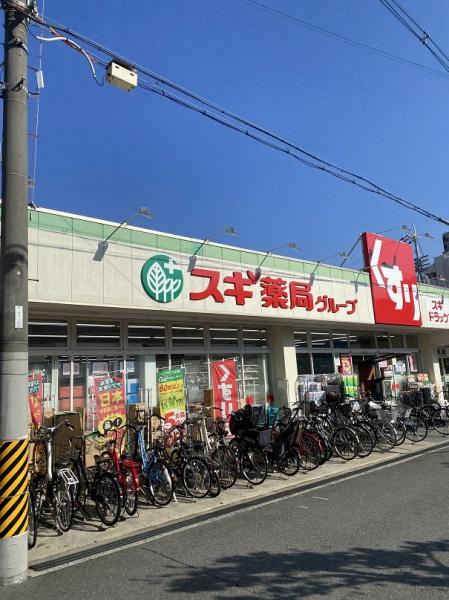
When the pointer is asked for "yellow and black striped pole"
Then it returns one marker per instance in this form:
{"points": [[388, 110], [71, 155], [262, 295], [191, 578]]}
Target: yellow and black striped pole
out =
{"points": [[13, 488]]}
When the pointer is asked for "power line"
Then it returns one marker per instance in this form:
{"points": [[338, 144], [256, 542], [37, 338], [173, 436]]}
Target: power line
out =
{"points": [[210, 110], [417, 31], [342, 38]]}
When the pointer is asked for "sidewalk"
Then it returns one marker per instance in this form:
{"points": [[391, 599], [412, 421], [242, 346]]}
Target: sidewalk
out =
{"points": [[90, 535]]}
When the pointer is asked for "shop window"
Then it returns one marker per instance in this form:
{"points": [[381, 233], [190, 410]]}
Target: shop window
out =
{"points": [[187, 336], [254, 338], [162, 361], [397, 341], [340, 340], [98, 334], [196, 375], [146, 336], [323, 363], [254, 378], [301, 339], [411, 340], [383, 341], [361, 339], [47, 333], [304, 364], [320, 339], [223, 336]]}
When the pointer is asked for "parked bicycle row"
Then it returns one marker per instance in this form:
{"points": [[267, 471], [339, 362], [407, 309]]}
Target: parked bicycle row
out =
{"points": [[204, 455]]}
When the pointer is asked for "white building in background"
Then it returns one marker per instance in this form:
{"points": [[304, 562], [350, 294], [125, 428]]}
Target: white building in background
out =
{"points": [[149, 303]]}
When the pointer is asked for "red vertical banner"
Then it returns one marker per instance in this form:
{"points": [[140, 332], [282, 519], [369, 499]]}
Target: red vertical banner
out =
{"points": [[224, 385], [36, 397], [110, 402]]}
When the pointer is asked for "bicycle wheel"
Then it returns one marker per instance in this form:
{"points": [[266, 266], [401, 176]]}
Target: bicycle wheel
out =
{"points": [[289, 464], [32, 519], [108, 499], [309, 453], [440, 420], [63, 507], [160, 483], [215, 486], [228, 465], [427, 412], [196, 477], [366, 443], [131, 495], [416, 429], [385, 436], [253, 463], [345, 443], [400, 431]]}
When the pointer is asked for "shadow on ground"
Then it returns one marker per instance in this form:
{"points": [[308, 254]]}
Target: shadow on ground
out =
{"points": [[317, 574]]}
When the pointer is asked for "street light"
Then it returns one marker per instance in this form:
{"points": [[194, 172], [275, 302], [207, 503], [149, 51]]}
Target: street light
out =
{"points": [[227, 230], [103, 245], [291, 245]]}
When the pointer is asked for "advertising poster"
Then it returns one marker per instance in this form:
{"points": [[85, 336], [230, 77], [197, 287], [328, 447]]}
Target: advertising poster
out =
{"points": [[171, 393], [224, 385], [110, 401], [36, 397], [346, 364]]}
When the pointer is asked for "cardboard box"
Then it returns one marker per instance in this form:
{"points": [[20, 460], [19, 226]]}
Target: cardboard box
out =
{"points": [[208, 398]]}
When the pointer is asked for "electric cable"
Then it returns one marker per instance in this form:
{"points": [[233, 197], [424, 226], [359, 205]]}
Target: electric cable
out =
{"points": [[207, 108], [342, 38], [417, 31]]}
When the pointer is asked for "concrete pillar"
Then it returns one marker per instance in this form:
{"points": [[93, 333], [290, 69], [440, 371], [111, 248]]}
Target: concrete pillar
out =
{"points": [[428, 345], [284, 367]]}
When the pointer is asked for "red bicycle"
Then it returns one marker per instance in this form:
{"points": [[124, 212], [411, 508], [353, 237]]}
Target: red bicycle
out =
{"points": [[127, 472]]}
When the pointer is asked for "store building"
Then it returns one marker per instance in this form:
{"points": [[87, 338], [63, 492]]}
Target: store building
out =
{"points": [[151, 300]]}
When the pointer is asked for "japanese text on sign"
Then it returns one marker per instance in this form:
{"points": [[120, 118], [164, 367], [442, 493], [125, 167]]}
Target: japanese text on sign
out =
{"points": [[274, 292], [393, 280]]}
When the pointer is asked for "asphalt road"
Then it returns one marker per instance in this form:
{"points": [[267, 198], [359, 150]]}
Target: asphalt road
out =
{"points": [[379, 535]]}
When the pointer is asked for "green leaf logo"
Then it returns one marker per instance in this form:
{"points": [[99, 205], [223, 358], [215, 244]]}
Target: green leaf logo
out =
{"points": [[161, 278]]}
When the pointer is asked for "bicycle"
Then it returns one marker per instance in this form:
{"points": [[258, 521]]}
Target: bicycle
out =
{"points": [[251, 459], [97, 483], [155, 477], [127, 472], [216, 447], [53, 490]]}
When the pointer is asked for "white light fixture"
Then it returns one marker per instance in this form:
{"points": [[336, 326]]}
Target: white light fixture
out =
{"points": [[103, 245], [291, 245], [227, 230]]}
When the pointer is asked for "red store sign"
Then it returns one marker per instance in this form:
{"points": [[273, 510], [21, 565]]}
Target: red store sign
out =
{"points": [[274, 292], [393, 280]]}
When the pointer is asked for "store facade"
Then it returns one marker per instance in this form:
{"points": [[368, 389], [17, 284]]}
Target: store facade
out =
{"points": [[152, 301]]}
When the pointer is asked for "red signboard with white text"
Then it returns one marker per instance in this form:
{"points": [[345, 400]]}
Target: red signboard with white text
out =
{"points": [[224, 385], [393, 280]]}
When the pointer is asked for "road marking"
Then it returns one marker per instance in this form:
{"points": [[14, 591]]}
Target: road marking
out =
{"points": [[300, 506], [320, 498], [206, 521]]}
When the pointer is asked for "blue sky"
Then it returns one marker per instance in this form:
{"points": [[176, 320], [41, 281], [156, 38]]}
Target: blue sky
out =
{"points": [[104, 153]]}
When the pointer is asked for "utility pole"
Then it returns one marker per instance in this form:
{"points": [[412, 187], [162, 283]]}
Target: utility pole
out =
{"points": [[14, 303]]}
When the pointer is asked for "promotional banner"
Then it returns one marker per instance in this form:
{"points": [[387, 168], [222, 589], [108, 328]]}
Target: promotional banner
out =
{"points": [[224, 385], [36, 397], [171, 393], [110, 400], [394, 288]]}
